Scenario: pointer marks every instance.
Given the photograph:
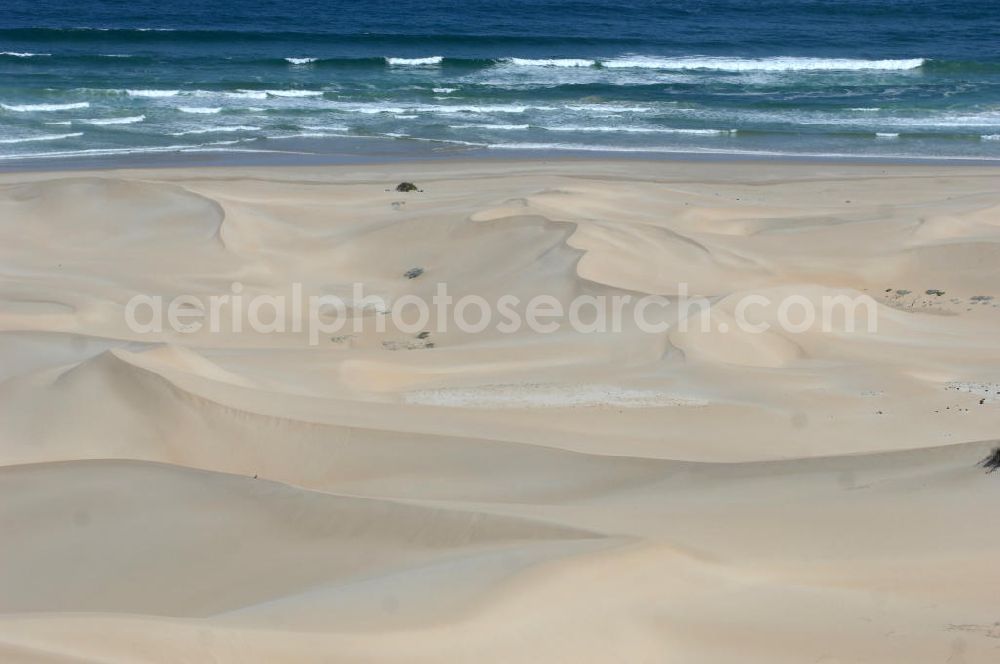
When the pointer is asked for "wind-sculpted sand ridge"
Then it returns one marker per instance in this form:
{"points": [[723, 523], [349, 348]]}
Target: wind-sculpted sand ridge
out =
{"points": [[691, 494]]}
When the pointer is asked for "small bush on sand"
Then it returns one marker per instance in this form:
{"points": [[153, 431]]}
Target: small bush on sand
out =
{"points": [[992, 462]]}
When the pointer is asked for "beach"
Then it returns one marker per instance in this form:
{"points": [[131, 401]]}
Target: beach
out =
{"points": [[787, 471]]}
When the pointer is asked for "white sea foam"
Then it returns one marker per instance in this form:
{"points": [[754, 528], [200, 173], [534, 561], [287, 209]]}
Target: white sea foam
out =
{"points": [[199, 109], [550, 62], [959, 120], [97, 152], [990, 137], [326, 127], [152, 93], [224, 147], [781, 63], [300, 61], [370, 108], [238, 140], [213, 130], [647, 130], [245, 94], [504, 127], [886, 135], [432, 60], [487, 108], [32, 139], [17, 54], [27, 108], [113, 121], [579, 147], [609, 108], [295, 93], [723, 151], [866, 109], [443, 91], [313, 134], [445, 140]]}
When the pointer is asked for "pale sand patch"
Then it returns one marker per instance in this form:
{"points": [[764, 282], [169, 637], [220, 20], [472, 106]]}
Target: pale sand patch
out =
{"points": [[547, 396]]}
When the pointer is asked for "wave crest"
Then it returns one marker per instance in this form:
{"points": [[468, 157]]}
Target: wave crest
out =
{"points": [[32, 139], [431, 60], [780, 63], [294, 93], [201, 110], [114, 121], [550, 62], [152, 93], [216, 130], [27, 108]]}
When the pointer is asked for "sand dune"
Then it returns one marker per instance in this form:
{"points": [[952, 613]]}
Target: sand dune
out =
{"points": [[690, 495]]}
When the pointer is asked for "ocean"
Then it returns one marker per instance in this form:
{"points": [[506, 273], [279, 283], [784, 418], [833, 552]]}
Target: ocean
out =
{"points": [[822, 78]]}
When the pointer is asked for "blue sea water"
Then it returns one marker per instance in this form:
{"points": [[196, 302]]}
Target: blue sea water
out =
{"points": [[891, 78]]}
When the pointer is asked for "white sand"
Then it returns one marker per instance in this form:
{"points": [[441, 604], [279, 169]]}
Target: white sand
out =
{"points": [[693, 497]]}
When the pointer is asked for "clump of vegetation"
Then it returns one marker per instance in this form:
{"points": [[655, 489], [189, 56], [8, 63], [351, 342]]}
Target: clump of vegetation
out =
{"points": [[934, 291], [406, 186], [992, 461], [413, 272]]}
